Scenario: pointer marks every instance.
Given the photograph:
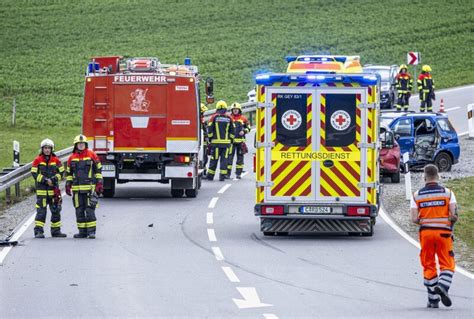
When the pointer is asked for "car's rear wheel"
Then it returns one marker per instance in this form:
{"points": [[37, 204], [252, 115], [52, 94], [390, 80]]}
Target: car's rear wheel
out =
{"points": [[444, 162]]}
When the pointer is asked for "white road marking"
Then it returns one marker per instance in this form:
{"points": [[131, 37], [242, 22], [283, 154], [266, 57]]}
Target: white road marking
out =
{"points": [[250, 299], [218, 253], [230, 274], [16, 236], [415, 243], [463, 133], [243, 174], [224, 188], [452, 109], [211, 234], [213, 202], [269, 316], [210, 218]]}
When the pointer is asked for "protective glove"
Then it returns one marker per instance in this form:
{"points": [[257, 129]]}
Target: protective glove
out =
{"points": [[99, 188], [57, 196], [68, 189]]}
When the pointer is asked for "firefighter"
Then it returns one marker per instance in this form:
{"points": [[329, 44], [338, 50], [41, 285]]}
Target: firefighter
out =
{"points": [[47, 171], [434, 209], [426, 89], [205, 143], [220, 130], [84, 179], [404, 85], [239, 148]]}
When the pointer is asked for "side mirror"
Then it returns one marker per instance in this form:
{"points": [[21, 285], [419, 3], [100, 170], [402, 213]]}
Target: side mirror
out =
{"points": [[209, 90]]}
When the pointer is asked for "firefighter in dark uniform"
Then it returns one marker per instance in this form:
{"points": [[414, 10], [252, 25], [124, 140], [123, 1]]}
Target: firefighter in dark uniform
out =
{"points": [[84, 182], [205, 137], [220, 129], [47, 170], [404, 85], [426, 89], [434, 209], [242, 127]]}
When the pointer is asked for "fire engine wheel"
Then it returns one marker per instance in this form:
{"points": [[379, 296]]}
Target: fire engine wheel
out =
{"points": [[191, 192], [444, 162], [177, 193], [395, 177]]}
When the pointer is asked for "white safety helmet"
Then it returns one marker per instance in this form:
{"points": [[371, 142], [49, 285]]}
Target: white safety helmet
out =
{"points": [[47, 142]]}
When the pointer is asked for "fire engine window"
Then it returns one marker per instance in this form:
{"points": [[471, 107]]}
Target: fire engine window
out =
{"points": [[340, 125], [291, 124]]}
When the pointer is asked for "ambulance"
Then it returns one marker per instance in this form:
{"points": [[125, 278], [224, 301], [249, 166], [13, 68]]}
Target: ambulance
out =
{"points": [[142, 118], [317, 150]]}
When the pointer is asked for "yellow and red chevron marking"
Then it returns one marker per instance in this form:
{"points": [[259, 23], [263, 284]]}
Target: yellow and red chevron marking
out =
{"points": [[340, 180], [292, 178], [371, 153], [260, 153]]}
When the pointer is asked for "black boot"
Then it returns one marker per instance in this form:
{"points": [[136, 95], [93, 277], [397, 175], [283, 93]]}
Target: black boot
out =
{"points": [[221, 178], [238, 177], [81, 234], [443, 293], [91, 235], [39, 233], [57, 233]]}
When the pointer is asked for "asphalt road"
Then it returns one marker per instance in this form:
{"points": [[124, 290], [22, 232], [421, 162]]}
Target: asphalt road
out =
{"points": [[206, 258]]}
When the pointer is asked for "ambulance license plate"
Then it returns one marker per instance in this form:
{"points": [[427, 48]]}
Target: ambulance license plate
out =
{"points": [[315, 210]]}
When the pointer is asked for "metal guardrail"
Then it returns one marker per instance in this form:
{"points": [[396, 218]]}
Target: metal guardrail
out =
{"points": [[14, 177]]}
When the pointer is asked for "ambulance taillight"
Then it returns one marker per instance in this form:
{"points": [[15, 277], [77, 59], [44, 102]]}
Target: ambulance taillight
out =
{"points": [[358, 211], [273, 210]]}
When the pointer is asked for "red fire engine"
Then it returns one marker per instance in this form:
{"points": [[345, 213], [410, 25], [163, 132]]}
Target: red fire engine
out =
{"points": [[142, 118]]}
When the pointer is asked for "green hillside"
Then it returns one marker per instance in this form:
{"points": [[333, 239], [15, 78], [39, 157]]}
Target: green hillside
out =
{"points": [[45, 46]]}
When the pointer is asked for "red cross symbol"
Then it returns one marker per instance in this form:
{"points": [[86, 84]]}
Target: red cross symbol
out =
{"points": [[291, 119], [340, 120]]}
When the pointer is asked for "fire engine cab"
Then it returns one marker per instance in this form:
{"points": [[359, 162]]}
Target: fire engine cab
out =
{"points": [[142, 118], [317, 152]]}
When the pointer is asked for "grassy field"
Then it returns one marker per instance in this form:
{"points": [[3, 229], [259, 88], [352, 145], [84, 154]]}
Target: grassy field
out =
{"points": [[46, 45], [464, 228]]}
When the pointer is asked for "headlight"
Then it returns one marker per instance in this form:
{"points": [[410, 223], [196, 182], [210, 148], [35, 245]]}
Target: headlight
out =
{"points": [[385, 87]]}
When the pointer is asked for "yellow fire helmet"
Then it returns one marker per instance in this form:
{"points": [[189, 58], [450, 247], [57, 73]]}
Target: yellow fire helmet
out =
{"points": [[203, 108], [237, 106], [221, 105], [426, 68], [80, 138], [403, 66]]}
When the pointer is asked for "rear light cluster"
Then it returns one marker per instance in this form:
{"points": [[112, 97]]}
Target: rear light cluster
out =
{"points": [[182, 159], [273, 210], [358, 211]]}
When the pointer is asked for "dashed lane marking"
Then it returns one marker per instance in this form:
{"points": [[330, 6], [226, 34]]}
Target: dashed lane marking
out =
{"points": [[218, 253], [269, 316], [224, 188], [213, 202], [230, 274], [210, 218], [452, 109], [211, 234]]}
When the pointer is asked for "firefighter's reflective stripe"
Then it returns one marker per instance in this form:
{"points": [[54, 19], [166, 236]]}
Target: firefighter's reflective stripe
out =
{"points": [[81, 225], [90, 224], [44, 192], [346, 172], [83, 187], [39, 223], [39, 178], [56, 225], [34, 169], [289, 177]]}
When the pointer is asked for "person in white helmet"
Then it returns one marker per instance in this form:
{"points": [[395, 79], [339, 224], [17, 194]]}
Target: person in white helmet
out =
{"points": [[47, 170]]}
